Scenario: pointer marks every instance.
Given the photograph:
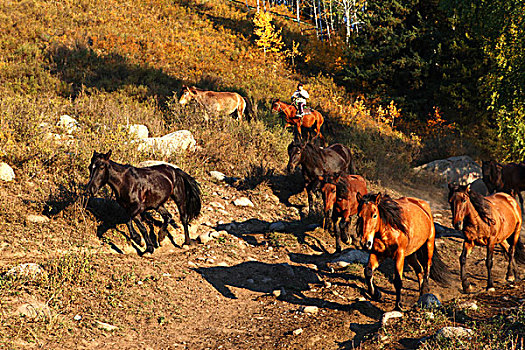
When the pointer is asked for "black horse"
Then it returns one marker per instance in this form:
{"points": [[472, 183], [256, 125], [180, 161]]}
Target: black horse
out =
{"points": [[317, 162], [508, 178], [140, 189]]}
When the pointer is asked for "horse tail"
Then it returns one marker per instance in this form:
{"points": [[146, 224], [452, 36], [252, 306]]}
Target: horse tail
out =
{"points": [[519, 255], [193, 194], [250, 110], [439, 271]]}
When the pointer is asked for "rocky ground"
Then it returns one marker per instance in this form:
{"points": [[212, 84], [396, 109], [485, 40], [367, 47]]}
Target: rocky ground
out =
{"points": [[263, 277]]}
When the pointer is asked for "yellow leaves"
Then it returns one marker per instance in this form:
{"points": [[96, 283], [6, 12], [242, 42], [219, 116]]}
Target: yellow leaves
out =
{"points": [[269, 38]]}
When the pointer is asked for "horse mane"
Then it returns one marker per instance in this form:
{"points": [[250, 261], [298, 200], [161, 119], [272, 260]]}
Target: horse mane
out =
{"points": [[481, 204], [389, 210]]}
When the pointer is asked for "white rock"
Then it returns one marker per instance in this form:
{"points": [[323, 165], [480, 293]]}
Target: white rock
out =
{"points": [[217, 175], [204, 238], [77, 317], [69, 124], [243, 202], [310, 309], [34, 309], [277, 293], [6, 172], [453, 332], [169, 144], [353, 256], [297, 331], [461, 169], [468, 305], [148, 163], [217, 234], [106, 326], [217, 205], [387, 316], [28, 270], [277, 226], [138, 131], [37, 219]]}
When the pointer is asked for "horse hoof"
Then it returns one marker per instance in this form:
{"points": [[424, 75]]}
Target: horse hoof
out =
{"points": [[187, 245], [149, 250]]}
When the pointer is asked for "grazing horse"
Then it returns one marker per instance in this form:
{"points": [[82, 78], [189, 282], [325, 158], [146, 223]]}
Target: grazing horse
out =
{"points": [[508, 178], [310, 119], [316, 161], [486, 221], [400, 229], [223, 103], [340, 203], [140, 189]]}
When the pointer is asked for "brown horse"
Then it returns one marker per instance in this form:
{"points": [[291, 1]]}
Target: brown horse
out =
{"points": [[508, 178], [310, 119], [217, 103], [340, 203], [486, 221], [400, 229]]}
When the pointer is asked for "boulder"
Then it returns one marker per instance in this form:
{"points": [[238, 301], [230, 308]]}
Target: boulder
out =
{"points": [[68, 124], [27, 270], [6, 172], [428, 301], [37, 219], [460, 170], [138, 131], [453, 332], [169, 144]]}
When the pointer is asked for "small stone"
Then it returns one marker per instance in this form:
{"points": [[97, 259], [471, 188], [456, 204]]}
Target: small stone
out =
{"points": [[310, 309], [106, 326], [297, 331], [69, 124], [243, 202], [204, 238], [468, 305], [342, 264], [387, 316], [453, 332], [223, 264], [353, 256], [138, 131], [428, 301], [217, 234], [217, 175], [37, 219], [77, 317], [327, 284], [6, 172], [277, 293], [217, 205], [192, 264]]}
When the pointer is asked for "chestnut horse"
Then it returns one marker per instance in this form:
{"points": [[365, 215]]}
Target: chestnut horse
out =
{"points": [[316, 161], [400, 229], [340, 203], [311, 118], [508, 178], [141, 189], [486, 221], [217, 103]]}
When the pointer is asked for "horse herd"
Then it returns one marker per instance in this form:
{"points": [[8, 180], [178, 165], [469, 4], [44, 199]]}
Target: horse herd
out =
{"points": [[401, 229]]}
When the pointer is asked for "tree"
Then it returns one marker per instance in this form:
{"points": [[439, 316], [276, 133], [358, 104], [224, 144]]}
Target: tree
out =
{"points": [[269, 38]]}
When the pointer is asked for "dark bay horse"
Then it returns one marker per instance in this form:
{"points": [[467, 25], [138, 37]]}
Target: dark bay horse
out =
{"points": [[310, 119], [140, 189], [399, 229], [217, 103], [508, 178], [316, 161], [340, 203], [487, 221]]}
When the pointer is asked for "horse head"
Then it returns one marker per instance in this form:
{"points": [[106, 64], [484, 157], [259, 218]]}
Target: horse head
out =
{"points": [[368, 221], [276, 106], [458, 197], [295, 152], [186, 95], [329, 190], [492, 175], [98, 172]]}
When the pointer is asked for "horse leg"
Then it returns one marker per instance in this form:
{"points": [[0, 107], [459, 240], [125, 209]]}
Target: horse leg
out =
{"points": [[489, 262], [166, 216], [418, 269], [185, 221], [373, 264], [521, 199], [509, 254], [337, 230], [309, 194], [467, 249], [429, 250], [398, 278], [133, 234], [345, 224], [152, 235], [149, 244]]}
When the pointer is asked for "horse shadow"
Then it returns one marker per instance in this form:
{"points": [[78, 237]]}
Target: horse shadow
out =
{"points": [[80, 66], [292, 282]]}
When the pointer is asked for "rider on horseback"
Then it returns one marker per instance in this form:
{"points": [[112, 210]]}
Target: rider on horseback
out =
{"points": [[299, 99]]}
